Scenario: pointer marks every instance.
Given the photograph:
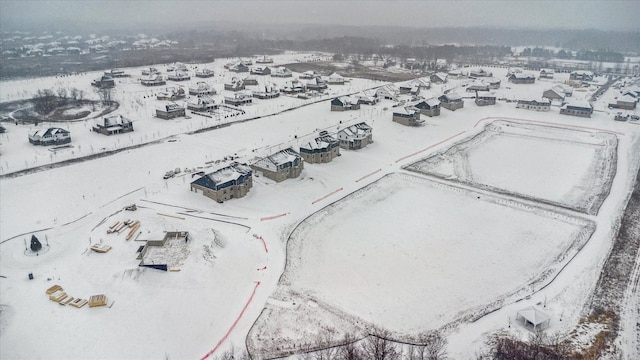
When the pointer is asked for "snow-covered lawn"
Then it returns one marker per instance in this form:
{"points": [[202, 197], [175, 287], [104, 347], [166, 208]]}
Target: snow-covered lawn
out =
{"points": [[567, 167], [409, 254]]}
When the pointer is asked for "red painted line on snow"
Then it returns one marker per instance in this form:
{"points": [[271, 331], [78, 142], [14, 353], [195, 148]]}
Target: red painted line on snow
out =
{"points": [[369, 174], [326, 196], [234, 323], [550, 123], [429, 147], [263, 244], [272, 217]]}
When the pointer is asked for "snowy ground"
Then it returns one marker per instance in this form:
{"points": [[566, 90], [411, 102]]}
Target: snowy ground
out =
{"points": [[221, 289], [459, 254], [574, 171]]}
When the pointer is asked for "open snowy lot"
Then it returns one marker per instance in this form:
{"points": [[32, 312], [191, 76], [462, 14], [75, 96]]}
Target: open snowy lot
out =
{"points": [[460, 254], [565, 167]]}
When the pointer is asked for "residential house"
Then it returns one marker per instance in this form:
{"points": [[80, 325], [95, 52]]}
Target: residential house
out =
{"points": [[235, 84], [264, 60], [367, 97], [267, 91], [514, 70], [281, 72], [577, 108], [414, 86], [343, 103], [115, 73], [356, 136], [451, 101], [453, 74], [485, 98], [438, 78], [172, 93], [429, 107], [408, 116], [201, 88], [150, 71], [335, 79], [322, 149], [626, 102], [492, 82], [311, 74], [114, 124], [239, 67], [169, 111], [250, 80], [153, 80], [230, 182], [285, 164], [522, 78], [581, 75], [51, 136], [260, 70], [179, 75], [105, 82], [536, 105], [294, 87], [555, 93], [177, 66], [204, 73], [239, 98], [478, 85], [480, 72], [389, 92], [547, 73], [316, 84], [201, 103]]}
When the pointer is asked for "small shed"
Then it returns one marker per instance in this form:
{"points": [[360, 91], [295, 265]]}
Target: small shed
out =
{"points": [[533, 319]]}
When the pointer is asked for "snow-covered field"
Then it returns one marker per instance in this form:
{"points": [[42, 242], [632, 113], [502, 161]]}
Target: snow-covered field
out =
{"points": [[409, 255], [574, 171], [230, 268]]}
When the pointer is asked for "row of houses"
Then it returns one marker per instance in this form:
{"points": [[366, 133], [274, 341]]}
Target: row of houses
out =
{"points": [[236, 179], [573, 108]]}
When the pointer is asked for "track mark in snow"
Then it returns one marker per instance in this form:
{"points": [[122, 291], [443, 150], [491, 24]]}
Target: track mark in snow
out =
{"points": [[326, 196], [429, 147], [234, 323]]}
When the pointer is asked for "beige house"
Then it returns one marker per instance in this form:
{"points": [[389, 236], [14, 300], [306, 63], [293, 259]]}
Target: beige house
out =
{"points": [[322, 149], [536, 105], [408, 116], [285, 164], [356, 136], [233, 181]]}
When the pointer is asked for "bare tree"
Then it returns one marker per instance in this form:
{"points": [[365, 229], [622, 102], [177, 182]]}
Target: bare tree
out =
{"points": [[327, 349], [350, 351], [105, 95], [378, 346], [44, 101], [233, 354], [433, 346]]}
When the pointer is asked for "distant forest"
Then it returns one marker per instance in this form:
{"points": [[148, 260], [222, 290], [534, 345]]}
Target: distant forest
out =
{"points": [[414, 36]]}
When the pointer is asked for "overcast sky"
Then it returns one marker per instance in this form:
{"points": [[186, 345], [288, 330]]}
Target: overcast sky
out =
{"points": [[584, 14]]}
